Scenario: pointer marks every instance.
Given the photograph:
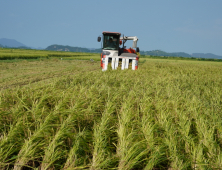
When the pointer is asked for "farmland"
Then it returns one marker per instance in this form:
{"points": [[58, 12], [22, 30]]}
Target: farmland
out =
{"points": [[7, 54], [68, 114]]}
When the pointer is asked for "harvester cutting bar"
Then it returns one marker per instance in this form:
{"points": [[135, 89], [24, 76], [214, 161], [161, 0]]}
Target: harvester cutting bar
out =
{"points": [[115, 62], [125, 64], [105, 63]]}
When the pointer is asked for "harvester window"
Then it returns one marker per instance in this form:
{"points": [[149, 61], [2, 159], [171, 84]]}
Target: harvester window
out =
{"points": [[110, 42]]}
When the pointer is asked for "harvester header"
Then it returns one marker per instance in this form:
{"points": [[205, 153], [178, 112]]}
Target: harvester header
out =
{"points": [[116, 55]]}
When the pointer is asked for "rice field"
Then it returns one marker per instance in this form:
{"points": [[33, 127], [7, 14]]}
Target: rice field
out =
{"points": [[10, 54], [68, 114]]}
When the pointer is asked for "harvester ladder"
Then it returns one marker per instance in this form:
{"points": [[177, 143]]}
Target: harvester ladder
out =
{"points": [[115, 63]]}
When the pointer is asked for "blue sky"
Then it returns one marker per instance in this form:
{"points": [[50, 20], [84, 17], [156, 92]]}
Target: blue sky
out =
{"points": [[169, 25]]}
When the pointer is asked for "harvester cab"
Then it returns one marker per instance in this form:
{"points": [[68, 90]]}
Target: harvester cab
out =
{"points": [[116, 55]]}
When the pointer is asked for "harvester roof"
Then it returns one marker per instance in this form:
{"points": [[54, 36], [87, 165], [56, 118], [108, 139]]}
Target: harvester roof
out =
{"points": [[107, 32]]}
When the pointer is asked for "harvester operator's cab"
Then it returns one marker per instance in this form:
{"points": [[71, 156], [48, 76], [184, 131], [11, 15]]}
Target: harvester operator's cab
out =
{"points": [[112, 53], [111, 42]]}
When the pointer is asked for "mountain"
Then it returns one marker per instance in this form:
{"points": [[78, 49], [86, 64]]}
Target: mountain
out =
{"points": [[163, 53], [11, 43], [57, 47], [4, 42], [206, 55], [39, 48]]}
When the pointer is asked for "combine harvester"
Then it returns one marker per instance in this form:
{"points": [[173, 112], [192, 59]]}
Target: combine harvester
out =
{"points": [[112, 53]]}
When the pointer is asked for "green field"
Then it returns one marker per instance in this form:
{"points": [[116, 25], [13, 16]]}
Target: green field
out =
{"points": [[68, 114]]}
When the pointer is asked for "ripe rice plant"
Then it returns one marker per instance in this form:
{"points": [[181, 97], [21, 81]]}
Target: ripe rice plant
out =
{"points": [[9, 54], [165, 115]]}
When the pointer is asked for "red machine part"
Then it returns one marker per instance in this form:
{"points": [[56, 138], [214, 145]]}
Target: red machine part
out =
{"points": [[130, 50], [137, 62], [103, 61]]}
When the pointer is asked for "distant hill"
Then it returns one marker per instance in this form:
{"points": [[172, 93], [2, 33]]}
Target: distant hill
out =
{"points": [[163, 53], [39, 48], [206, 55], [11, 43], [56, 47]]}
